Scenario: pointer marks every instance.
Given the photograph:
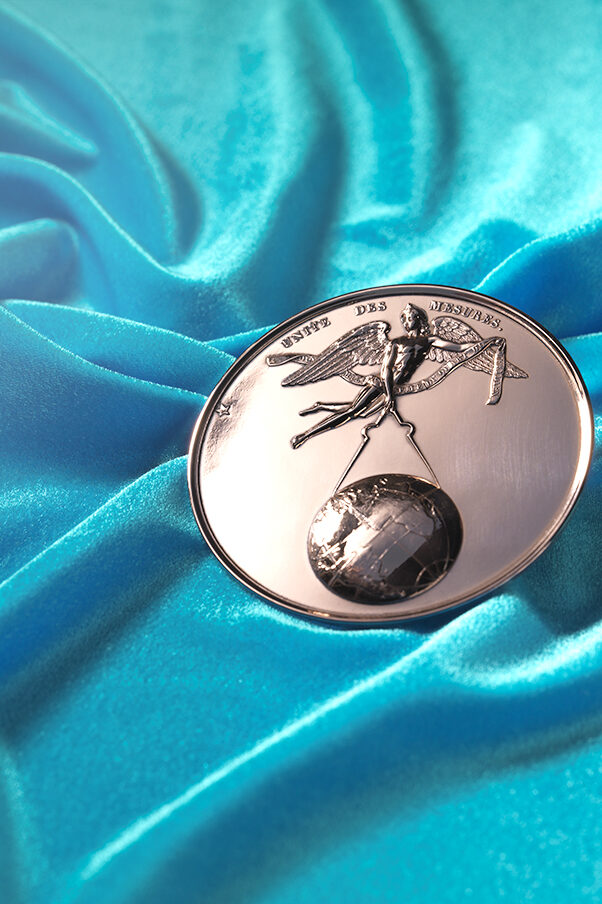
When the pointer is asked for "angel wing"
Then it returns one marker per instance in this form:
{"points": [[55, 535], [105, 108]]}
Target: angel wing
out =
{"points": [[453, 330], [364, 344]]}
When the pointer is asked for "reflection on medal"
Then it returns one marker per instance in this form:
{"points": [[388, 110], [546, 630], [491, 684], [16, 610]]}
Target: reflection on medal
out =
{"points": [[384, 538], [372, 542], [397, 534]]}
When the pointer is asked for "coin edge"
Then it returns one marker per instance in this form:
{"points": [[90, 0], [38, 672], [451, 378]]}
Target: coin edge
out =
{"points": [[585, 454]]}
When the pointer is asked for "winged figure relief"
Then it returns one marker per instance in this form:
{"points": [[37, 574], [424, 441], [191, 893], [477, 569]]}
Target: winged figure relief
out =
{"points": [[447, 341]]}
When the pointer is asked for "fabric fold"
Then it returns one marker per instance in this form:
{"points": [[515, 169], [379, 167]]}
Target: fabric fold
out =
{"points": [[189, 175]]}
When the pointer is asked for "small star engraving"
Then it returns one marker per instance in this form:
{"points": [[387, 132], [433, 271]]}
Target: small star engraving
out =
{"points": [[223, 410]]}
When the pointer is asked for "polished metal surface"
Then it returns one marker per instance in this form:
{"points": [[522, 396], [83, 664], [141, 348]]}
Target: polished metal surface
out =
{"points": [[384, 538], [390, 453]]}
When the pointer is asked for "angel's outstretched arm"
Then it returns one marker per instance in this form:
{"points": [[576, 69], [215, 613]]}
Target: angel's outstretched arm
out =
{"points": [[447, 346]]}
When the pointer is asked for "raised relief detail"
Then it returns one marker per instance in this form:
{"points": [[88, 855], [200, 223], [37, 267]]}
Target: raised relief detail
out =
{"points": [[384, 538], [447, 341], [303, 332], [369, 307], [464, 310], [223, 409]]}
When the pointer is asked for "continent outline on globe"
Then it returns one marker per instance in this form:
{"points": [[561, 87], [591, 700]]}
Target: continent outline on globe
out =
{"points": [[395, 564]]}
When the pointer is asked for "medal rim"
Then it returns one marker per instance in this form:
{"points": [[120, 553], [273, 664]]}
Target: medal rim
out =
{"points": [[586, 420]]}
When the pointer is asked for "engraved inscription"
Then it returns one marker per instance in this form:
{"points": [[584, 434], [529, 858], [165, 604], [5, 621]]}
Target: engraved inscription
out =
{"points": [[447, 307], [311, 327], [371, 307]]}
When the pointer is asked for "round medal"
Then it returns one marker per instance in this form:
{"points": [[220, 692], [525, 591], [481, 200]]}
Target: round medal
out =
{"points": [[390, 453]]}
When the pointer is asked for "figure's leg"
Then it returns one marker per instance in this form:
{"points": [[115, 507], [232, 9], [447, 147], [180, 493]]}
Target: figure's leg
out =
{"points": [[324, 406], [353, 409], [335, 420]]}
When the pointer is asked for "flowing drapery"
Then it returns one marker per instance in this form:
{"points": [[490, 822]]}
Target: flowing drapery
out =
{"points": [[175, 177]]}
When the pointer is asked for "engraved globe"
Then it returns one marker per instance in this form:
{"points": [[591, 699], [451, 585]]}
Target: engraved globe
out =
{"points": [[384, 538]]}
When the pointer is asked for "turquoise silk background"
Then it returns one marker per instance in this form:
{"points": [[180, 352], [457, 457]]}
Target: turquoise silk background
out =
{"points": [[175, 177]]}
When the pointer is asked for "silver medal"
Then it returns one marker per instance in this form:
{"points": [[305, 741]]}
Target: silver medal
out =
{"points": [[390, 453]]}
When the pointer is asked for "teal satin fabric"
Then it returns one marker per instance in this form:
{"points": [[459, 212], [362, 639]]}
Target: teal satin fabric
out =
{"points": [[175, 177]]}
